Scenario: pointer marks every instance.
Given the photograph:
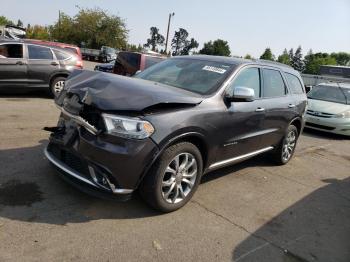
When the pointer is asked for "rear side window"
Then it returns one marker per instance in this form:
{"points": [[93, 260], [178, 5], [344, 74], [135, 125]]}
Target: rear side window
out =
{"points": [[61, 55], [39, 52], [150, 61], [294, 84], [273, 83], [11, 51], [250, 78]]}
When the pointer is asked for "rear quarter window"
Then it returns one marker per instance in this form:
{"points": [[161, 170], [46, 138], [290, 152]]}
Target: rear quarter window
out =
{"points": [[61, 55], [294, 84]]}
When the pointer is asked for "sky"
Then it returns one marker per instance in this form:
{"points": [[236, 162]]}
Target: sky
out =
{"points": [[249, 26]]}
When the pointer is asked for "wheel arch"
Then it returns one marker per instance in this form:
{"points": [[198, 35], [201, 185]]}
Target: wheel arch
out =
{"points": [[297, 122], [193, 137]]}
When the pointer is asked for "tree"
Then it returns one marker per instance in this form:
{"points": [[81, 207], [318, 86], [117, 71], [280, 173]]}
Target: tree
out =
{"points": [[179, 41], [284, 58], [248, 56], [219, 47], [192, 44], [94, 27], [5, 21], [342, 58], [267, 55], [156, 39], [19, 23], [297, 60], [314, 61], [38, 32]]}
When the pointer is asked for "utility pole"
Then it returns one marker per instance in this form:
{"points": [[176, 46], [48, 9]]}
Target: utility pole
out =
{"points": [[59, 23], [167, 33]]}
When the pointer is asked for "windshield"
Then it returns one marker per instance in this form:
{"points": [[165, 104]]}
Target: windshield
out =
{"points": [[194, 75], [330, 94]]}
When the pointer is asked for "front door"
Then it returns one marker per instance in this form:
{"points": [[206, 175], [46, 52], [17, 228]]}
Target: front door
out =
{"points": [[243, 121], [13, 66]]}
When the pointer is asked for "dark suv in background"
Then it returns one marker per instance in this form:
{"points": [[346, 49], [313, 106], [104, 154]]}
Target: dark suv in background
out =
{"points": [[159, 131], [128, 63], [27, 66]]}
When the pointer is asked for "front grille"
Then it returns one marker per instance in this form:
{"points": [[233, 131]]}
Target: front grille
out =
{"points": [[319, 126], [93, 117], [319, 114], [71, 160]]}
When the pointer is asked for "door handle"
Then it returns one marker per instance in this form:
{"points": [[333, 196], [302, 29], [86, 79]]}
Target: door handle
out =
{"points": [[20, 63], [291, 105], [260, 109], [54, 63]]}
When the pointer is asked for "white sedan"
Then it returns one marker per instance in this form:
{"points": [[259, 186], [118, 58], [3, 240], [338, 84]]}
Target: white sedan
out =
{"points": [[329, 108]]}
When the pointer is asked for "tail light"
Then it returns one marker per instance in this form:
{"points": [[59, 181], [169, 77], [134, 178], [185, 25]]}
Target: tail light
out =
{"points": [[79, 63]]}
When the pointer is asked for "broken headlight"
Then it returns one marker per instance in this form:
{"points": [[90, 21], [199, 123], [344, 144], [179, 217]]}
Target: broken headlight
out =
{"points": [[127, 127]]}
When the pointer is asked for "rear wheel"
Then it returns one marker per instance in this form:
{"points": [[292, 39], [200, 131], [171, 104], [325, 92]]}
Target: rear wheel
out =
{"points": [[285, 150], [174, 178], [57, 86]]}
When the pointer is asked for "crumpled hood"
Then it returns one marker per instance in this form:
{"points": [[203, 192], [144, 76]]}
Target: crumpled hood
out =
{"points": [[327, 107], [113, 92]]}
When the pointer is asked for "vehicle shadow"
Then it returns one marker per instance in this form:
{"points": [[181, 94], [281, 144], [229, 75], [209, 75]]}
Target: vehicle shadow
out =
{"points": [[316, 228], [24, 94], [31, 190]]}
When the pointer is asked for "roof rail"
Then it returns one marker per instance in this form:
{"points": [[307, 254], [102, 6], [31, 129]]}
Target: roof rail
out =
{"points": [[272, 63]]}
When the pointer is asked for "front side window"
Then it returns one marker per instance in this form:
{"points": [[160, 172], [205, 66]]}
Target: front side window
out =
{"points": [[195, 75], [294, 84], [39, 52], [273, 83], [250, 78], [11, 51]]}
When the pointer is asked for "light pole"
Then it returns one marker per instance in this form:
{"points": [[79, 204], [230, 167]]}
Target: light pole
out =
{"points": [[167, 33]]}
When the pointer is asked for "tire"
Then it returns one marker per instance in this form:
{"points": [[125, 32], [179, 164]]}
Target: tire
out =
{"points": [[162, 179], [286, 148], [57, 84]]}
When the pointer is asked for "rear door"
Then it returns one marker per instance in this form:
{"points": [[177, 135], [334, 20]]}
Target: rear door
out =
{"points": [[41, 65], [278, 104], [13, 66]]}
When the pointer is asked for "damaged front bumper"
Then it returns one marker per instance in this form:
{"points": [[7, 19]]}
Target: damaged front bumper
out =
{"points": [[95, 162]]}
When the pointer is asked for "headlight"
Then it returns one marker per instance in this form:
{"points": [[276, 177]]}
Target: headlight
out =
{"points": [[127, 127], [345, 114]]}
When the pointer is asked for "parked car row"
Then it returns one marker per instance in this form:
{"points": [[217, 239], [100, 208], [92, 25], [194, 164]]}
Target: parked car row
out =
{"points": [[105, 54]]}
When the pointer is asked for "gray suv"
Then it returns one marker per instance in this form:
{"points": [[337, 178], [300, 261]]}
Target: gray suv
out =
{"points": [[161, 130], [28, 66]]}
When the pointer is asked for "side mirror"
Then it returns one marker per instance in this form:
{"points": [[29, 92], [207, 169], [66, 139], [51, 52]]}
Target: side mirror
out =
{"points": [[242, 94]]}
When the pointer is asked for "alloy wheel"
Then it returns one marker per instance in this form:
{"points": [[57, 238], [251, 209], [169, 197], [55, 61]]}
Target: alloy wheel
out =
{"points": [[289, 145], [179, 178], [58, 87]]}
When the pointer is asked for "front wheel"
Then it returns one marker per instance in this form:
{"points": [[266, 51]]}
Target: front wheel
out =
{"points": [[174, 178], [285, 150]]}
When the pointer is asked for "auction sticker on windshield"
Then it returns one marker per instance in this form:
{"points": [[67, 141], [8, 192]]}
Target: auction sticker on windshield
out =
{"points": [[214, 69]]}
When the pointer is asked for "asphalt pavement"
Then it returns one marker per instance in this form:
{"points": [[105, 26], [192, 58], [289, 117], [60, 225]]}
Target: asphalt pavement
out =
{"points": [[253, 211]]}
